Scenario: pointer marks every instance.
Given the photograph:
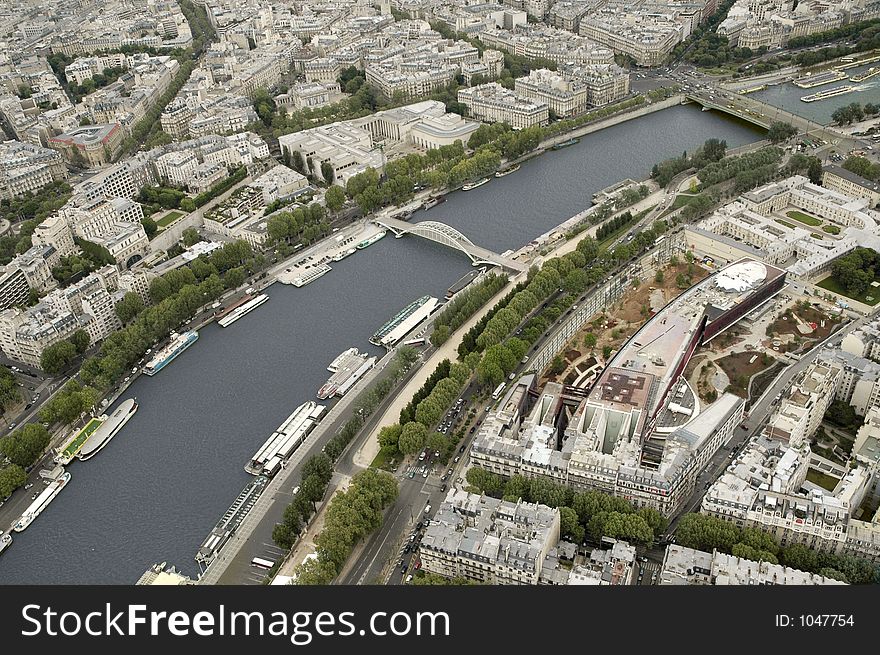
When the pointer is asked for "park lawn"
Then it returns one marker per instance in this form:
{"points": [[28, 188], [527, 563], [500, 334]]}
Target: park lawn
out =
{"points": [[681, 200], [831, 285], [831, 229], [84, 434], [169, 218], [801, 217], [383, 461], [790, 226], [824, 480]]}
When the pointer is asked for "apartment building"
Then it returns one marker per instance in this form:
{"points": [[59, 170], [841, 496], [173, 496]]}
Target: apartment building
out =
{"points": [[26, 168], [492, 103], [686, 566], [488, 540], [837, 178], [564, 95]]}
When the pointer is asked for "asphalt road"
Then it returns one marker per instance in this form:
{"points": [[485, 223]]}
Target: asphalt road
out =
{"points": [[384, 546]]}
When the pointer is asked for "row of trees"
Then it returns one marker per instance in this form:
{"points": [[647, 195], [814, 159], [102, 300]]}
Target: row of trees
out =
{"points": [[862, 166], [178, 295], [8, 389], [149, 126], [57, 357], [221, 187], [590, 513], [424, 411], [710, 533], [856, 270], [316, 473], [351, 515], [854, 112], [408, 413], [68, 404], [610, 227], [302, 225], [24, 446], [464, 305]]}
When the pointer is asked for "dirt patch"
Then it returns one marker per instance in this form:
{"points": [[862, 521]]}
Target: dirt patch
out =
{"points": [[705, 388], [696, 361], [740, 367], [786, 323], [572, 355]]}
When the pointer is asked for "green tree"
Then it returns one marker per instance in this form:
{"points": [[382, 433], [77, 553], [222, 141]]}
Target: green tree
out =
{"points": [[129, 307], [190, 237], [486, 481], [413, 438], [80, 340], [335, 198], [780, 131], [11, 477], [150, 226], [590, 340], [57, 357], [24, 446], [389, 438], [570, 527], [327, 172]]}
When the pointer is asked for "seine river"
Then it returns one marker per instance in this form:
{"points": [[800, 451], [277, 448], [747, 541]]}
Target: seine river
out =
{"points": [[788, 96], [154, 493]]}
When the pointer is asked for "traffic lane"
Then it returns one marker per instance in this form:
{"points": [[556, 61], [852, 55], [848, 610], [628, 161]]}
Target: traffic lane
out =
{"points": [[381, 550], [385, 545]]}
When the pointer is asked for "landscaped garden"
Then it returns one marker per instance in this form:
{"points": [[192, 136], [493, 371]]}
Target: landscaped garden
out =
{"points": [[801, 217], [168, 219], [832, 285]]}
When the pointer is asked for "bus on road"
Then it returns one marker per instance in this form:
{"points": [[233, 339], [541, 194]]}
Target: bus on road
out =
{"points": [[262, 563], [498, 390]]}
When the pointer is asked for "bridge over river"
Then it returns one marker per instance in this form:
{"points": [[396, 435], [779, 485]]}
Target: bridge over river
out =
{"points": [[449, 236]]}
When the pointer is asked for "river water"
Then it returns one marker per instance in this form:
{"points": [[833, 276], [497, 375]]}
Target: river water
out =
{"points": [[788, 96], [154, 492]]}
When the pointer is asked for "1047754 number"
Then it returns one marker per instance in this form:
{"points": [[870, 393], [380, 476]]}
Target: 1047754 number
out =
{"points": [[815, 620]]}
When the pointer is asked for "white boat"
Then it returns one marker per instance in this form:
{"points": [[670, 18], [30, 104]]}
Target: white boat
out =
{"points": [[5, 542], [311, 275], [404, 321], [239, 312], [474, 185], [347, 369], [41, 502], [179, 343], [287, 437], [338, 257], [830, 93], [369, 241], [507, 171], [109, 428]]}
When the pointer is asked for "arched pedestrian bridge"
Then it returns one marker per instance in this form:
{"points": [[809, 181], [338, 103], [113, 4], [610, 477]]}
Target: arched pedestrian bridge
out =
{"points": [[449, 236]]}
